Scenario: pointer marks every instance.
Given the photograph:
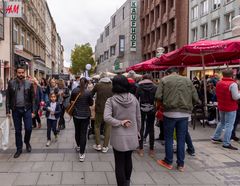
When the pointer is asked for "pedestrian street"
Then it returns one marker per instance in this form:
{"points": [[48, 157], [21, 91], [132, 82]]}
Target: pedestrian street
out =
{"points": [[59, 163]]}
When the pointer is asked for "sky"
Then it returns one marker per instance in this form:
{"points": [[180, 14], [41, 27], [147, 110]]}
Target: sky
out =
{"points": [[81, 21]]}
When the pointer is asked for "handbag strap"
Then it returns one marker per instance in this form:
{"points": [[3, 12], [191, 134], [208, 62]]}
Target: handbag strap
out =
{"points": [[74, 102]]}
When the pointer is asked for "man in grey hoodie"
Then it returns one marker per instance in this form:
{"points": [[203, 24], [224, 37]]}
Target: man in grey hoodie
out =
{"points": [[103, 89]]}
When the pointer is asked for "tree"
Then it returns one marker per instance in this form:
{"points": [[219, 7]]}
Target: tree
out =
{"points": [[80, 56]]}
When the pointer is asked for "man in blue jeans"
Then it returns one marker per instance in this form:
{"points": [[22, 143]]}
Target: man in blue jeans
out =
{"points": [[227, 96], [20, 100], [177, 95]]}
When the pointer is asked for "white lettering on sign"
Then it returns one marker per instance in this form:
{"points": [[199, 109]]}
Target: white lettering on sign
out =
{"points": [[133, 34], [13, 9]]}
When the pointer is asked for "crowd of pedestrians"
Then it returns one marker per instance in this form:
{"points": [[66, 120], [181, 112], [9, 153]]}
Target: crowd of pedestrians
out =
{"points": [[125, 110]]}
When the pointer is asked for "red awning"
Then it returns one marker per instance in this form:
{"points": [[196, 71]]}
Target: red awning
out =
{"points": [[147, 66]]}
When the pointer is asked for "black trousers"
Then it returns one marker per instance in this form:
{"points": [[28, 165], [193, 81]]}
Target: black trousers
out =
{"points": [[123, 166], [81, 129], [150, 118], [61, 122], [36, 119]]}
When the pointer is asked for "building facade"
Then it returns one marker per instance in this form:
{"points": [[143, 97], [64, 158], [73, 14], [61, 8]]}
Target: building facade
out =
{"points": [[212, 19], [5, 49], [53, 47], [48, 39], [119, 46], [164, 23]]}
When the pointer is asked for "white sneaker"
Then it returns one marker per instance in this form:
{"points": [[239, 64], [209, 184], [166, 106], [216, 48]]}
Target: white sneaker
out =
{"points": [[105, 149], [212, 122], [48, 143], [97, 147], [77, 148], [81, 157]]}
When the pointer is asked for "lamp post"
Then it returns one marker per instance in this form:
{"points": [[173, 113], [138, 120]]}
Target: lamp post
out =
{"points": [[160, 51], [87, 67]]}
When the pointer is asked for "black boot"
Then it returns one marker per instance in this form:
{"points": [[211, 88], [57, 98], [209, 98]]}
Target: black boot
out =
{"points": [[127, 183]]}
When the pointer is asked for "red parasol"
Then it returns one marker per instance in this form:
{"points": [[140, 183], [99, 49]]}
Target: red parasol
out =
{"points": [[147, 66]]}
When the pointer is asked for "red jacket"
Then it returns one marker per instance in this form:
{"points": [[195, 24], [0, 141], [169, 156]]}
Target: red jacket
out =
{"points": [[224, 96]]}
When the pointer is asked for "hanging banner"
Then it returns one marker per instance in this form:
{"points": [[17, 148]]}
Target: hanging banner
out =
{"points": [[133, 26], [13, 9]]}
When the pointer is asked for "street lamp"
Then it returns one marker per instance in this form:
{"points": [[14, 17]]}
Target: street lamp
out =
{"points": [[87, 67], [160, 51]]}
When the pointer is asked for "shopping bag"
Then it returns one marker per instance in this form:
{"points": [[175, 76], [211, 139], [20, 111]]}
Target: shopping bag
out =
{"points": [[5, 132]]}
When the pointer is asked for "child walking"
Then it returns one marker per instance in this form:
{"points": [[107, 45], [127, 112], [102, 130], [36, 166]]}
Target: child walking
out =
{"points": [[53, 111]]}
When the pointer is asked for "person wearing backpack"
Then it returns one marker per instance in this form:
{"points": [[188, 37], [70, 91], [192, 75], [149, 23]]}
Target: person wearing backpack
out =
{"points": [[146, 95]]}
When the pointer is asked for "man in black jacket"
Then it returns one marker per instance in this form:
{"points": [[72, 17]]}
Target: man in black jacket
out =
{"points": [[146, 95], [20, 100]]}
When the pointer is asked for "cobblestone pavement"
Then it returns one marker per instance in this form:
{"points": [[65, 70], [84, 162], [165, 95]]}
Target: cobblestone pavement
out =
{"points": [[59, 165]]}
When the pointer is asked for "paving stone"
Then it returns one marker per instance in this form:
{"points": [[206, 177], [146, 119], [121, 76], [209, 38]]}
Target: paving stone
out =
{"points": [[102, 166], [71, 157], [5, 166], [73, 178], [23, 158], [111, 178], [223, 158], [106, 157], [26, 179], [234, 156], [21, 167], [5, 157], [185, 178], [37, 157], [141, 178], [162, 178], [42, 166], [62, 166], [7, 179], [99, 178], [142, 166], [92, 157], [65, 145], [55, 157], [206, 178], [49, 178], [82, 166]]}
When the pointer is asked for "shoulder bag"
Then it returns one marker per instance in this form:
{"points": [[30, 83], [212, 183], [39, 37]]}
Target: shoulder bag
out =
{"points": [[70, 107]]}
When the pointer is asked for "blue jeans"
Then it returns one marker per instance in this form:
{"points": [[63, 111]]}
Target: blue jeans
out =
{"points": [[51, 125], [181, 125], [190, 147], [18, 115], [227, 120]]}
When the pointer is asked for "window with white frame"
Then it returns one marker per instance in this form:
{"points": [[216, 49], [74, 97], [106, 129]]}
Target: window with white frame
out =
{"points": [[228, 20], [216, 4], [22, 37], [15, 33], [28, 42], [204, 31], [112, 50], [194, 12], [215, 26], [204, 7], [194, 34]]}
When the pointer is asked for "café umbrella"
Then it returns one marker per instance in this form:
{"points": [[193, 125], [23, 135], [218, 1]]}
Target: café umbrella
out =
{"points": [[202, 53], [147, 66]]}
